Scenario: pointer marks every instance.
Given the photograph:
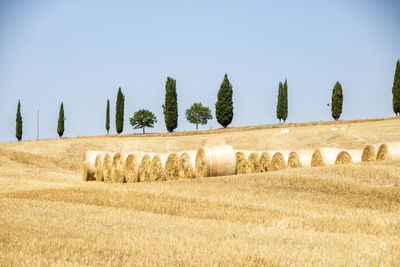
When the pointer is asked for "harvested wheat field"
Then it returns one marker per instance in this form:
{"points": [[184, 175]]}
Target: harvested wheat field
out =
{"points": [[344, 215]]}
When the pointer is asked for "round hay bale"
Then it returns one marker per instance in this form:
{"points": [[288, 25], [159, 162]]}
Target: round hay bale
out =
{"points": [[157, 167], [343, 158], [88, 165], [298, 159], [241, 161], [98, 166], [388, 151], [118, 165], [294, 160], [279, 161], [324, 156], [253, 163], [107, 167], [265, 162], [144, 168], [187, 164], [349, 156], [172, 167], [131, 168], [369, 153], [215, 161]]}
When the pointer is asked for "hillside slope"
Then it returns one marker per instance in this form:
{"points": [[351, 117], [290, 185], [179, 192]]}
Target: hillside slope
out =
{"points": [[334, 215]]}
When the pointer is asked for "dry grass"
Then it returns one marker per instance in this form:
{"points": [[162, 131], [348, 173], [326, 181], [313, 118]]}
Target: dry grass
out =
{"points": [[344, 215]]}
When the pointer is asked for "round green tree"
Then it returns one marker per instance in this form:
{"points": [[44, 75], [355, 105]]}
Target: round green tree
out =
{"points": [[18, 128], [143, 118], [198, 114], [224, 105], [337, 101], [170, 105]]}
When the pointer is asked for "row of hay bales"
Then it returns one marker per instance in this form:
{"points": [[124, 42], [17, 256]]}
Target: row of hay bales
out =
{"points": [[140, 167], [219, 161]]}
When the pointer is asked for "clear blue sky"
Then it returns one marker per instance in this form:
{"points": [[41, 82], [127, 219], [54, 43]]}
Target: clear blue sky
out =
{"points": [[80, 52]]}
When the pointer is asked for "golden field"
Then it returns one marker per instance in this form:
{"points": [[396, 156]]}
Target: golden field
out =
{"points": [[333, 215]]}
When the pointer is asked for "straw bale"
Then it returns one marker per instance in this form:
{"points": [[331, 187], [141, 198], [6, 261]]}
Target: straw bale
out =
{"points": [[253, 163], [172, 167], [298, 159], [88, 165], [107, 167], [265, 161], [118, 165], [279, 161], [157, 167], [215, 161], [98, 166], [131, 168], [241, 157], [145, 168], [369, 153], [324, 156], [389, 151], [343, 158], [202, 165], [349, 156], [187, 164]]}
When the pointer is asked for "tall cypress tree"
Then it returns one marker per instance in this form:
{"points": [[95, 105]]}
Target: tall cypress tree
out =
{"points": [[119, 112], [396, 89], [170, 105], [61, 118], [284, 101], [224, 105], [337, 101], [108, 116], [18, 128], [279, 105]]}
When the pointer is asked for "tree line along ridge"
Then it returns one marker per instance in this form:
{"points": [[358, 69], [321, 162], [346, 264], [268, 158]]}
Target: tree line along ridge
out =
{"points": [[199, 114]]}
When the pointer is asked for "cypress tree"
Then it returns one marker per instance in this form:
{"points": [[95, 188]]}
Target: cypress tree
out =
{"points": [[108, 116], [224, 105], [18, 128], [61, 118], [337, 101], [170, 105], [279, 106], [284, 101], [119, 112], [396, 90]]}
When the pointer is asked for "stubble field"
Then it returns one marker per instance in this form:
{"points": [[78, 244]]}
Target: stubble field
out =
{"points": [[334, 215]]}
